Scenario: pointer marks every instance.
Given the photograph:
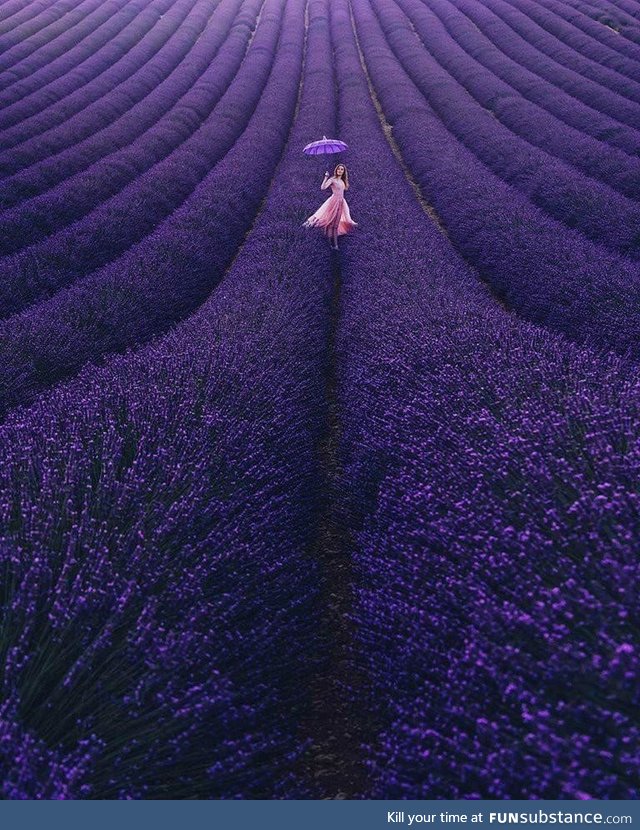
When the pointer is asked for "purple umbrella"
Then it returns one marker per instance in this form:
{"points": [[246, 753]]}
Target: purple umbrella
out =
{"points": [[325, 145]]}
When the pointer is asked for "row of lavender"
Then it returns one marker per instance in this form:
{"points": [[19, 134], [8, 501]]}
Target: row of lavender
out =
{"points": [[139, 158], [158, 570], [580, 21], [599, 88], [621, 19], [23, 54], [45, 23], [75, 106], [570, 41], [136, 295], [490, 481], [545, 271], [534, 109], [552, 183], [547, 90], [167, 103]]}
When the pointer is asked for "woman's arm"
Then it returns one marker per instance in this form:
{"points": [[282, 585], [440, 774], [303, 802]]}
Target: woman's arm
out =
{"points": [[325, 182]]}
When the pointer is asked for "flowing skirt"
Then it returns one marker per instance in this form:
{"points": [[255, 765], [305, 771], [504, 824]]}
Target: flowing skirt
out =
{"points": [[332, 217]]}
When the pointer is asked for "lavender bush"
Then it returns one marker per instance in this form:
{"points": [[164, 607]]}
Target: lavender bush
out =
{"points": [[543, 270], [555, 187], [205, 581], [283, 522], [558, 100], [75, 42], [491, 499], [598, 49], [190, 128], [535, 50], [142, 118], [127, 23], [464, 55], [39, 113]]}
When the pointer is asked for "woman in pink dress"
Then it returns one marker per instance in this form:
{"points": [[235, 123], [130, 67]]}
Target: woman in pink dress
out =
{"points": [[333, 216]]}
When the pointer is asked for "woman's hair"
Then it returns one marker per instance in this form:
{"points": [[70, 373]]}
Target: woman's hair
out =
{"points": [[345, 175]]}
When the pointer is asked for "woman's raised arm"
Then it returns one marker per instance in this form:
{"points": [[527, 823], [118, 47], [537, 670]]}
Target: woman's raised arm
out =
{"points": [[325, 182]]}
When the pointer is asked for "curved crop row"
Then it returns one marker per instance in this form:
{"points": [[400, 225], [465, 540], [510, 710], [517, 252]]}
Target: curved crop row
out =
{"points": [[618, 20], [168, 274], [33, 17], [491, 471], [501, 59], [12, 8], [142, 116], [532, 51], [581, 16], [153, 130], [629, 7], [106, 96], [199, 571], [50, 39], [115, 28], [146, 200], [74, 43], [546, 272], [483, 78], [560, 190], [14, 12], [578, 45], [614, 18]]}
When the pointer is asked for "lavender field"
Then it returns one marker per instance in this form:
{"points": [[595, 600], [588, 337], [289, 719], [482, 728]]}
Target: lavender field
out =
{"points": [[283, 522]]}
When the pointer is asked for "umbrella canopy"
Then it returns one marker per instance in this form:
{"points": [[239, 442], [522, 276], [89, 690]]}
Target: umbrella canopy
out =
{"points": [[325, 145]]}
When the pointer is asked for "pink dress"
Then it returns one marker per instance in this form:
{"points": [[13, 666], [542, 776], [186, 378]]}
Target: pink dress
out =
{"points": [[333, 216]]}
